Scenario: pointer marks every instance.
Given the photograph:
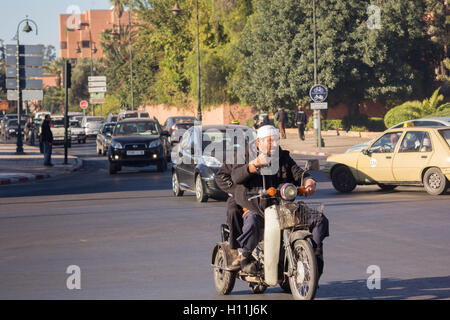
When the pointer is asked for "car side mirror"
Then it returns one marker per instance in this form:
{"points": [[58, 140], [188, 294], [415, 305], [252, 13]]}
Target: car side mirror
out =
{"points": [[165, 133], [312, 165], [366, 152]]}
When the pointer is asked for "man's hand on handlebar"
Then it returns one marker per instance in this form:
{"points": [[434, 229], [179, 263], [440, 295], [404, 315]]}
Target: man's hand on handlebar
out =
{"points": [[310, 187]]}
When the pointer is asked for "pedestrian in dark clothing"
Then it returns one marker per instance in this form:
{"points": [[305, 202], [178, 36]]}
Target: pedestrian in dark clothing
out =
{"points": [[282, 121], [301, 120], [47, 140]]}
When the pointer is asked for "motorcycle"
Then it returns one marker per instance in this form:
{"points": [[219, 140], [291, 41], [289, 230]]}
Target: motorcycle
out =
{"points": [[285, 256]]}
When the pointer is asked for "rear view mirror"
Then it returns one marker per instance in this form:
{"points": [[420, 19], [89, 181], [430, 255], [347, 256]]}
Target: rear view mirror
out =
{"points": [[312, 165]]}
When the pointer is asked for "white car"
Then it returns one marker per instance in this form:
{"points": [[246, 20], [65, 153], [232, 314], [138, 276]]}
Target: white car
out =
{"points": [[91, 125]]}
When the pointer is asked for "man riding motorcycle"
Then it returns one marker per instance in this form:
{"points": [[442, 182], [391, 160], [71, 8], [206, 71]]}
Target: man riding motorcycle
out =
{"points": [[245, 217]]}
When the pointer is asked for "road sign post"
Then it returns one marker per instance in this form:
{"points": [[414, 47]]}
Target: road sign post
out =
{"points": [[318, 94], [97, 89]]}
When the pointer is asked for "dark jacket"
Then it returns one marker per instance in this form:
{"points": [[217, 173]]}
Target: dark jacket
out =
{"points": [[246, 184], [46, 132], [300, 118], [282, 117], [223, 178]]}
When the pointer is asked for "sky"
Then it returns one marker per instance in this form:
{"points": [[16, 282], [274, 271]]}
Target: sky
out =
{"points": [[44, 13]]}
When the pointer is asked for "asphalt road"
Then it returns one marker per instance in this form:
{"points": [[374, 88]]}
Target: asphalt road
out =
{"points": [[132, 239]]}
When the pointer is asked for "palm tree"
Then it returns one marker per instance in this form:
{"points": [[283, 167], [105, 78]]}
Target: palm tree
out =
{"points": [[55, 68], [119, 8]]}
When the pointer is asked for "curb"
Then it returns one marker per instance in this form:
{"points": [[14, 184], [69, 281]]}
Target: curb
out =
{"points": [[40, 176], [28, 178]]}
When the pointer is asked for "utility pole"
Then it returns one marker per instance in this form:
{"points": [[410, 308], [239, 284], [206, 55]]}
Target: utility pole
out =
{"points": [[131, 62], [67, 84], [316, 112]]}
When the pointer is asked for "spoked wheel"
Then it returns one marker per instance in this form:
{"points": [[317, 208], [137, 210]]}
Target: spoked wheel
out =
{"points": [[223, 280], [303, 282]]}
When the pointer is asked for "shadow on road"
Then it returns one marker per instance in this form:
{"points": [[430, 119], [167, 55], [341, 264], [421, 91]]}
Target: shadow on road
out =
{"points": [[391, 289]]}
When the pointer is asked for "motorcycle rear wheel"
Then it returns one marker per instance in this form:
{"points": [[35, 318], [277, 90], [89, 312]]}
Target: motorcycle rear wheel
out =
{"points": [[303, 282], [223, 280]]}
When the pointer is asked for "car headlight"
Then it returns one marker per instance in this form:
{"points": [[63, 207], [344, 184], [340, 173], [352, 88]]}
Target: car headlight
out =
{"points": [[210, 161], [116, 145], [154, 144], [12, 130]]}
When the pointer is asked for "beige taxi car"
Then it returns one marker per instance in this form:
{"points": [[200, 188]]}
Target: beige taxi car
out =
{"points": [[417, 156]]}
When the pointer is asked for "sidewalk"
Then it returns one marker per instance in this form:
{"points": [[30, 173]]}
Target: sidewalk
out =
{"points": [[333, 143], [29, 166]]}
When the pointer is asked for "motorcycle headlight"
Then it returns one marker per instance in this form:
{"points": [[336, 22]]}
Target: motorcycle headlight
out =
{"points": [[154, 144], [210, 161], [116, 145], [288, 192]]}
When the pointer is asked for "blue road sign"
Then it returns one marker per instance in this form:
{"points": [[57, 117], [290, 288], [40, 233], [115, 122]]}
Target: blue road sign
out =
{"points": [[318, 93]]}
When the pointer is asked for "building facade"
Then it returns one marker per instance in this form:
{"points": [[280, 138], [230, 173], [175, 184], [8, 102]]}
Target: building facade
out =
{"points": [[79, 35]]}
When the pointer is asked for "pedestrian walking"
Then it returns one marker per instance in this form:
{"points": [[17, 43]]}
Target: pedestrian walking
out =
{"points": [[282, 121], [300, 121], [47, 140]]}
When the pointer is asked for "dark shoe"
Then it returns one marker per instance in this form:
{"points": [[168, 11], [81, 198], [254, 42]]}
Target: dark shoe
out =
{"points": [[49, 165]]}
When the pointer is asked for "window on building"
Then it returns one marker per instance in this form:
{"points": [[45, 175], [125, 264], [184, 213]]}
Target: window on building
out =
{"points": [[85, 44], [63, 45]]}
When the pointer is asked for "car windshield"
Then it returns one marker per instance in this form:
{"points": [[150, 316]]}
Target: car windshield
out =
{"points": [[58, 122], [143, 128], [130, 115], [14, 122], [98, 119], [75, 124], [446, 135], [228, 140], [108, 128], [183, 120]]}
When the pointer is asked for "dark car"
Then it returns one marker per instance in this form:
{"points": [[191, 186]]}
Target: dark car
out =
{"points": [[4, 121], [176, 126], [104, 137], [11, 128], [194, 171], [138, 142]]}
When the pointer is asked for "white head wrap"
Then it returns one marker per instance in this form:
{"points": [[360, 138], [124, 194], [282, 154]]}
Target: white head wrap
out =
{"points": [[266, 131]]}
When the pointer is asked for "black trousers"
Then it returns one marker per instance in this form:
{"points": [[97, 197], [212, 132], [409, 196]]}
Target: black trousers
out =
{"points": [[301, 131], [234, 221]]}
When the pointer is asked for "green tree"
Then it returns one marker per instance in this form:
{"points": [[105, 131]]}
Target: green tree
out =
{"points": [[2, 71], [355, 62], [416, 109]]}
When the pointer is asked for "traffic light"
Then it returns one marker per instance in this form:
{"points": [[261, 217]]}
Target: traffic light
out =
{"points": [[67, 74]]}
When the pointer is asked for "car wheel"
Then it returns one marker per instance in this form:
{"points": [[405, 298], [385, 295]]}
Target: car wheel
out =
{"points": [[343, 180], [176, 185], [435, 182], [387, 187], [200, 190], [112, 168]]}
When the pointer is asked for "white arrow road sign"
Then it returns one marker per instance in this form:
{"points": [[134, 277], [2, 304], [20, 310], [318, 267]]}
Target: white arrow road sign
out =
{"points": [[97, 89]]}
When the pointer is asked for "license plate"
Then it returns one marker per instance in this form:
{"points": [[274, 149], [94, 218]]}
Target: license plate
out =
{"points": [[135, 153]]}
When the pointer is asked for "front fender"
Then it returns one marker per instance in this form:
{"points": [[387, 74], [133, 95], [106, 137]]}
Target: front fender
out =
{"points": [[299, 235]]}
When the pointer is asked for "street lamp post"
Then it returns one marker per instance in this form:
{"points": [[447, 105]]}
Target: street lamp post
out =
{"points": [[27, 29], [176, 10]]}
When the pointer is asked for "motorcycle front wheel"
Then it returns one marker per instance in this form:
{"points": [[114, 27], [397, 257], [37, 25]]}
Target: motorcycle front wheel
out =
{"points": [[223, 280], [303, 282]]}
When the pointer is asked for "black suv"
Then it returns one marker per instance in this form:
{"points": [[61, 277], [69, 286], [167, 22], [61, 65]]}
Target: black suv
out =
{"points": [[138, 142]]}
